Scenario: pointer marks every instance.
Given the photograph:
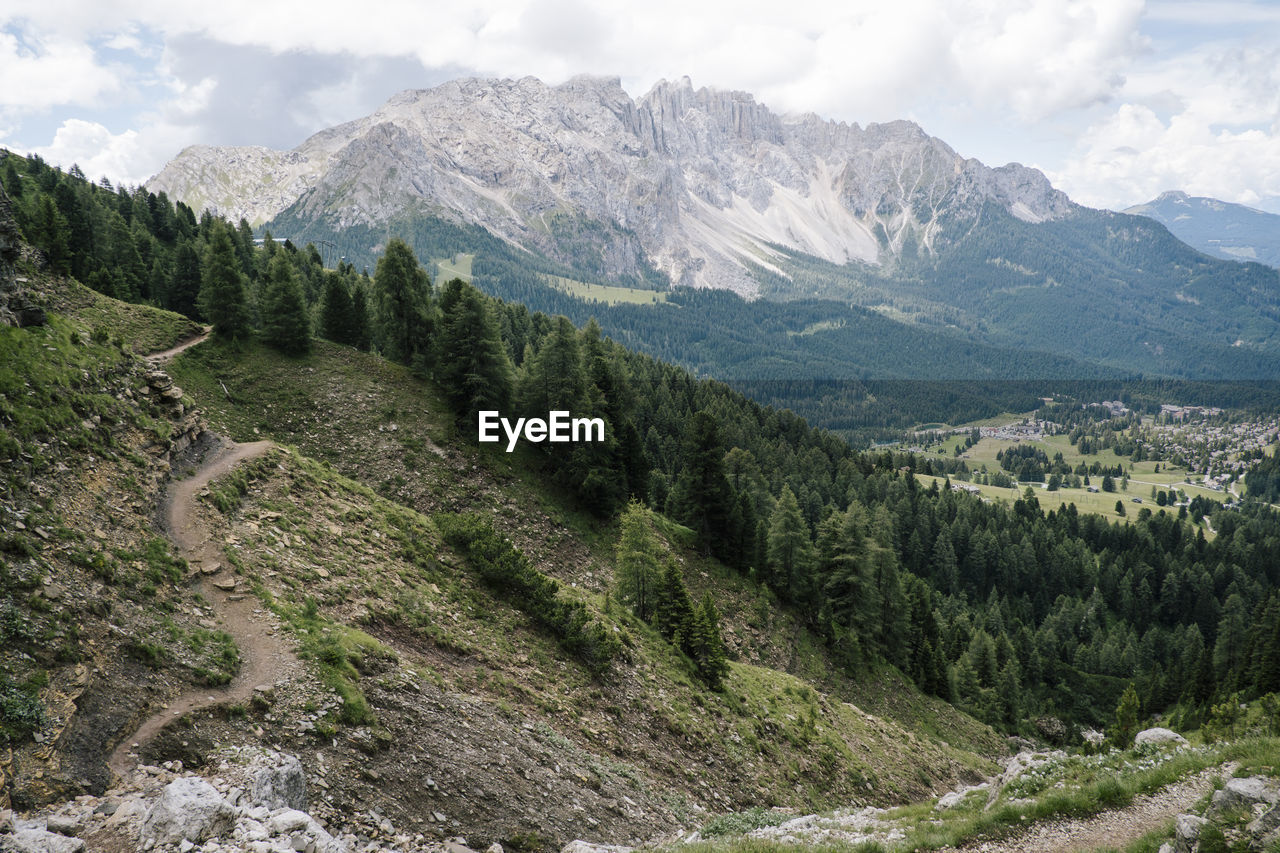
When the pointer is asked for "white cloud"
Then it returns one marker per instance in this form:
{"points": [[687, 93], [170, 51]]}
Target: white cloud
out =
{"points": [[1033, 56], [94, 148], [38, 73], [129, 157], [1208, 124]]}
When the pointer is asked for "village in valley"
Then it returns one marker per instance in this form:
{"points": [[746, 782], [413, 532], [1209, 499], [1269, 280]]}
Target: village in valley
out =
{"points": [[1105, 457]]}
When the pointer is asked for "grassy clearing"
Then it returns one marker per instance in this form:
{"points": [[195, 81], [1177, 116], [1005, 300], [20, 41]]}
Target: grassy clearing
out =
{"points": [[1098, 503], [606, 294], [447, 269], [1143, 477]]}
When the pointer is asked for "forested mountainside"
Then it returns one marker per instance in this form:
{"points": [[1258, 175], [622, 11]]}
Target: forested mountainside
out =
{"points": [[680, 579]]}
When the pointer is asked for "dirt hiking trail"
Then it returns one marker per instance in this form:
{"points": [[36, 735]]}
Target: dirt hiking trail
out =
{"points": [[266, 656], [1118, 828], [156, 358]]}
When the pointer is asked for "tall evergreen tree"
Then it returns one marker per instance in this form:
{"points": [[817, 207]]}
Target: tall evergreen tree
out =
{"points": [[702, 497], [473, 370], [336, 312], [674, 613], [706, 646], [285, 323], [553, 380], [222, 293], [361, 325], [849, 588], [402, 306], [1125, 728], [184, 287], [48, 232], [636, 568], [12, 180], [790, 548]]}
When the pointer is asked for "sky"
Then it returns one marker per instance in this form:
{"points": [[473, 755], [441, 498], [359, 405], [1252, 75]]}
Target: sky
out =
{"points": [[1115, 100]]}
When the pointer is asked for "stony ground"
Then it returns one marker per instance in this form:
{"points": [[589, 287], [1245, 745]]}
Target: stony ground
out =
{"points": [[1116, 828]]}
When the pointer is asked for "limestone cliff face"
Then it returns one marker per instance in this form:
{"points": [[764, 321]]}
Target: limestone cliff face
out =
{"points": [[695, 182]]}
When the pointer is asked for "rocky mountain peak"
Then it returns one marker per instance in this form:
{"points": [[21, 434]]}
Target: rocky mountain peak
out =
{"points": [[702, 184]]}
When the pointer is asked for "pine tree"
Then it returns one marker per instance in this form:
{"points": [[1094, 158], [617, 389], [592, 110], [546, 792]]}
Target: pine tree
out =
{"points": [[285, 324], [184, 287], [336, 314], [553, 378], [790, 550], [1126, 725], [673, 614], [222, 294], [702, 498], [402, 306], [125, 260], [637, 572], [473, 370], [706, 646], [12, 180], [361, 327], [49, 233]]}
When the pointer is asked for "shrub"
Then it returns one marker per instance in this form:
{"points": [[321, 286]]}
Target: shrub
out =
{"points": [[508, 571]]}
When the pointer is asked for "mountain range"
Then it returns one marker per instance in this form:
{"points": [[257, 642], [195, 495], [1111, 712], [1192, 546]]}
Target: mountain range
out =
{"points": [[712, 190], [1234, 232], [698, 183]]}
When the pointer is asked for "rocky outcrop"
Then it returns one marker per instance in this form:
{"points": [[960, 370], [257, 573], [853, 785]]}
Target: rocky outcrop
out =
{"points": [[241, 808], [1244, 793], [700, 183], [282, 785], [1257, 796]]}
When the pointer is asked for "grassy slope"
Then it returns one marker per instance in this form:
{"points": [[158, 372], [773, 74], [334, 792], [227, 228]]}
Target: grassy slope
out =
{"points": [[794, 734], [142, 328]]}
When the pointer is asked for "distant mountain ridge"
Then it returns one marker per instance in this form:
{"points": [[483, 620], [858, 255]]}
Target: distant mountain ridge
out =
{"points": [[1234, 232], [695, 183]]}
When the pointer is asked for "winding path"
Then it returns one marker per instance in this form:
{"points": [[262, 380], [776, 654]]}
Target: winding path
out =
{"points": [[164, 355], [1111, 829], [265, 655]]}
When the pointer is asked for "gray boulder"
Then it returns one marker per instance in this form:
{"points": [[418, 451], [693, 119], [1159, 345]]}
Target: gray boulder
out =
{"points": [[189, 809], [281, 786], [1187, 832], [30, 836], [1244, 793], [1159, 736]]}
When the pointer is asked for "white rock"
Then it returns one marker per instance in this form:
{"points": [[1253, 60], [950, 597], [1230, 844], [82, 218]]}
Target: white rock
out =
{"points": [[1186, 831], [290, 820], [188, 808], [1159, 735], [29, 836], [580, 846], [1244, 792], [282, 785]]}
